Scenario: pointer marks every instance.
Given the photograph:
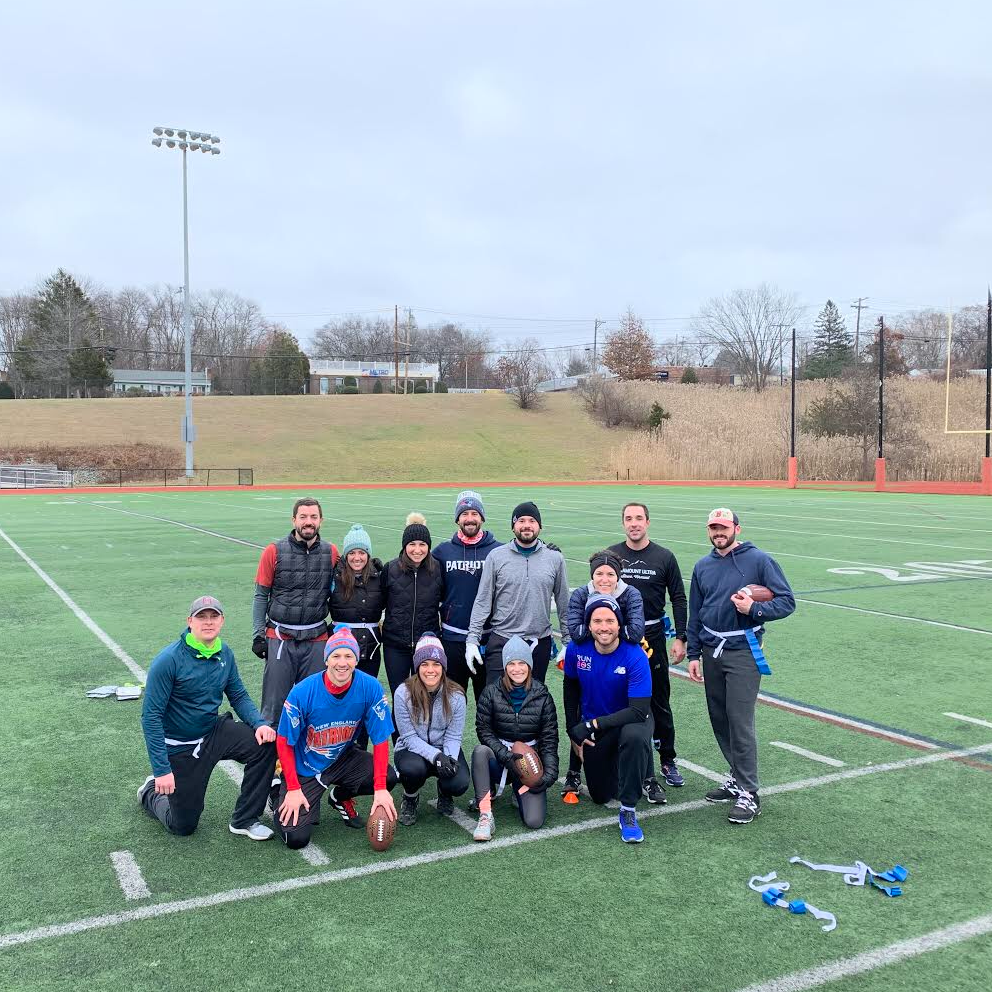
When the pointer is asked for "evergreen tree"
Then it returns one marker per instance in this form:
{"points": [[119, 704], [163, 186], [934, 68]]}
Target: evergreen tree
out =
{"points": [[88, 369], [285, 368], [833, 347]]}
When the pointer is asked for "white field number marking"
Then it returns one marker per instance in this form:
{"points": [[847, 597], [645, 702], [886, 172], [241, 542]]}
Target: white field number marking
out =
{"points": [[925, 571]]}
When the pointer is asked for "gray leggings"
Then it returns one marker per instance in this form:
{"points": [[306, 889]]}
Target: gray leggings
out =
{"points": [[486, 773]]}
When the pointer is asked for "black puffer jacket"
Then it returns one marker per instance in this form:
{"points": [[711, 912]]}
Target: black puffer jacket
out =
{"points": [[365, 606], [537, 720], [412, 600]]}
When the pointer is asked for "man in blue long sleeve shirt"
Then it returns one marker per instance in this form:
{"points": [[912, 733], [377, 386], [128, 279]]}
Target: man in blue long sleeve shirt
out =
{"points": [[186, 737], [725, 630]]}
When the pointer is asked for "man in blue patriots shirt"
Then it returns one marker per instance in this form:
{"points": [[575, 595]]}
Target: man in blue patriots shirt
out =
{"points": [[608, 712], [315, 743]]}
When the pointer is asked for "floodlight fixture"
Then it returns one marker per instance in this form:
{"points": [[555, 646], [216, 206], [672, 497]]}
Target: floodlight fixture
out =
{"points": [[170, 144], [182, 134], [157, 142], [157, 130], [171, 132]]}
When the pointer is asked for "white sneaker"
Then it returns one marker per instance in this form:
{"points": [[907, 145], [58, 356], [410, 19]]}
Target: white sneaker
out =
{"points": [[486, 827], [143, 788], [256, 831]]}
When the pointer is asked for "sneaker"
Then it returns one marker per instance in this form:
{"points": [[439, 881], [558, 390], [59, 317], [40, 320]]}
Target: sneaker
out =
{"points": [[149, 783], [725, 793], [747, 807], [254, 831], [653, 792], [630, 832], [672, 775], [571, 786], [485, 828], [346, 807], [274, 788], [445, 805], [408, 809]]}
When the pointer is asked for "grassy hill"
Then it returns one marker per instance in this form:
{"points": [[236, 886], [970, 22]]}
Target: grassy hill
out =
{"points": [[336, 438]]}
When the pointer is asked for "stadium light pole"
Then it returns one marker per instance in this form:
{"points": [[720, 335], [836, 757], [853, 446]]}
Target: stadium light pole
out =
{"points": [[185, 140]]}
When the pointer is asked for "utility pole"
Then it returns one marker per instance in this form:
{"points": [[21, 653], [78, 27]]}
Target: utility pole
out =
{"points": [[595, 341], [406, 367], [396, 349], [781, 355], [862, 304]]}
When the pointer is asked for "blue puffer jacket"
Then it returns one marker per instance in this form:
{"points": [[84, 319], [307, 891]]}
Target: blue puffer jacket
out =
{"points": [[630, 601]]}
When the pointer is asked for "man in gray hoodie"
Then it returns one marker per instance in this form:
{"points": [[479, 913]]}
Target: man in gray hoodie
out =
{"points": [[519, 581]]}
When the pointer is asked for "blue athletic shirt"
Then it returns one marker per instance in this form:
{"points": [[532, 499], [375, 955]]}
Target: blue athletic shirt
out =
{"points": [[319, 726], [607, 681]]}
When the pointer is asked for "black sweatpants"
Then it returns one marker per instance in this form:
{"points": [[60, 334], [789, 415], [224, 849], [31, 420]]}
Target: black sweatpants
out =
{"points": [[486, 773], [458, 670], [351, 775], [494, 658], [661, 694], [415, 770], [619, 763], [732, 682], [399, 665], [297, 660], [229, 739]]}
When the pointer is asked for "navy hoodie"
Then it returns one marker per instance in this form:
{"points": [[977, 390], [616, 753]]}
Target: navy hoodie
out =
{"points": [[716, 578], [462, 564]]}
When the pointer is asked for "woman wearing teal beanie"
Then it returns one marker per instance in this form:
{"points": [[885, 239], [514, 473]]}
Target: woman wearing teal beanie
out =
{"points": [[356, 600]]}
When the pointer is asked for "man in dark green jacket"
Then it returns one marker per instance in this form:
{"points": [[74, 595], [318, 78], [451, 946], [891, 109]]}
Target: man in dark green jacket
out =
{"points": [[186, 737]]}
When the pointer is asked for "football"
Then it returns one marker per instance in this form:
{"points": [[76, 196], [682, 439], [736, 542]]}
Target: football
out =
{"points": [[760, 594], [380, 830], [530, 769]]}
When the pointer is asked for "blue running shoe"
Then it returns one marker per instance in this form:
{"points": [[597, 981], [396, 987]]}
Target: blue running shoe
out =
{"points": [[672, 775], [630, 832]]}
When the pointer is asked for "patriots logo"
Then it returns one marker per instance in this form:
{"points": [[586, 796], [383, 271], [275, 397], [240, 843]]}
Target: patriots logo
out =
{"points": [[292, 712], [381, 708]]}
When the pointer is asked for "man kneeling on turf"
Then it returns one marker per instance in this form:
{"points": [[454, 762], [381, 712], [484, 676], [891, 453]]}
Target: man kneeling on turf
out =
{"points": [[316, 743], [609, 681], [186, 737]]}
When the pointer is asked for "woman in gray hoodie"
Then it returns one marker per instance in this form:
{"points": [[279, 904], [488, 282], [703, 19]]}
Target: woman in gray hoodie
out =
{"points": [[429, 710]]}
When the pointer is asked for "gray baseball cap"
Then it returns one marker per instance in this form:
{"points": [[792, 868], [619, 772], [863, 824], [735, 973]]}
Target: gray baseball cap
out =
{"points": [[205, 603]]}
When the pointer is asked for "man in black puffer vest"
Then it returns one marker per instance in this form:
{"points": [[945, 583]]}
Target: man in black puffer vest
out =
{"points": [[289, 611]]}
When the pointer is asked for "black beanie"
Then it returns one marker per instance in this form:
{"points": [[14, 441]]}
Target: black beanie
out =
{"points": [[605, 558], [416, 530], [527, 509]]}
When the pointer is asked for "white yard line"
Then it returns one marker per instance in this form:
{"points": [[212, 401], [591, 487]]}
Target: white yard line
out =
{"points": [[179, 523], [701, 770], [136, 670], [462, 819], [812, 978], [431, 857], [895, 616], [969, 719], [129, 875], [812, 755]]}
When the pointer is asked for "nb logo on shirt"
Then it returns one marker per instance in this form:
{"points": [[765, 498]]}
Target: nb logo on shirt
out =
{"points": [[620, 670]]}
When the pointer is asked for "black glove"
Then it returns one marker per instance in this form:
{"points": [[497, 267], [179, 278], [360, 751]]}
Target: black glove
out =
{"points": [[378, 564], [258, 646], [553, 547], [584, 731], [446, 765]]}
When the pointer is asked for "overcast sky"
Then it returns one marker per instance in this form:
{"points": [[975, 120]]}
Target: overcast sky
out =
{"points": [[527, 158]]}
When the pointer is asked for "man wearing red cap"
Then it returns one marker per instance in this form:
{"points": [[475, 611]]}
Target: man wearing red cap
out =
{"points": [[726, 627]]}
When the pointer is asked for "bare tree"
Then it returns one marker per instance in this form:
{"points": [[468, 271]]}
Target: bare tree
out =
{"points": [[675, 351], [968, 339], [924, 338], [360, 339], [519, 371], [748, 323]]}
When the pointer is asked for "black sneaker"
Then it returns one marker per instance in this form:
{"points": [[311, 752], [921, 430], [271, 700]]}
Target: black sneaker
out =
{"points": [[346, 808], [445, 805], [747, 807], [572, 783], [724, 793], [408, 809], [653, 792]]}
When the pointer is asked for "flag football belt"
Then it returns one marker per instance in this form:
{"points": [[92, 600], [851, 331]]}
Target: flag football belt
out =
{"points": [[663, 619], [196, 750], [372, 628], [280, 627], [860, 874], [752, 641], [502, 778], [771, 895]]}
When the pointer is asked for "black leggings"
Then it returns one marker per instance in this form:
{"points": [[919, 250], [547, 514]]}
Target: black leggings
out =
{"points": [[414, 771], [399, 665], [486, 773]]}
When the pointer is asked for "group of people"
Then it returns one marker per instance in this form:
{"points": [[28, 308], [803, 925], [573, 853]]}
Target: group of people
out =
{"points": [[470, 613]]}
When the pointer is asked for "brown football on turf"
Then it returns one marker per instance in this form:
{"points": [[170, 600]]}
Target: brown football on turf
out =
{"points": [[380, 830], [760, 594], [530, 769]]}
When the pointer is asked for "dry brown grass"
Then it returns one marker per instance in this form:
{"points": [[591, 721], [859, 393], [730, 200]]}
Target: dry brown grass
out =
{"points": [[722, 432]]}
